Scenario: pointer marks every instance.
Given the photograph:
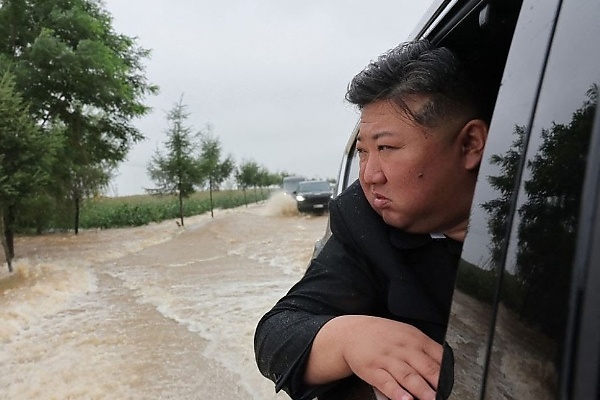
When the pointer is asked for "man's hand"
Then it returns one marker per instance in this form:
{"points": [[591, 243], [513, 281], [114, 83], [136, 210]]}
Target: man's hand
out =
{"points": [[396, 358]]}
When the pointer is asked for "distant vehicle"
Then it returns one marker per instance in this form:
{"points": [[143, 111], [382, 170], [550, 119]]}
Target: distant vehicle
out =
{"points": [[314, 196], [290, 184]]}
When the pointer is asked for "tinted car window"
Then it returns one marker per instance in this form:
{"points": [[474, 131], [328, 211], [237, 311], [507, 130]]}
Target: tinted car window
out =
{"points": [[350, 164], [528, 353], [314, 186], [474, 307], [354, 169]]}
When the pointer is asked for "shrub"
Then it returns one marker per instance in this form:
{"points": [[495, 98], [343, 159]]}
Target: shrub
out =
{"points": [[106, 212]]}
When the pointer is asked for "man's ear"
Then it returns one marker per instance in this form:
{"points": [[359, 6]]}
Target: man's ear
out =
{"points": [[472, 138]]}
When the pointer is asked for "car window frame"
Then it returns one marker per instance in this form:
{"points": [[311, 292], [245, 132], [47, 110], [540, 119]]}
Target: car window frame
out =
{"points": [[585, 296]]}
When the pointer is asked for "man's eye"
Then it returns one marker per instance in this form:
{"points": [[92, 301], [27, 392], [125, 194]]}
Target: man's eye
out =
{"points": [[384, 147], [360, 153]]}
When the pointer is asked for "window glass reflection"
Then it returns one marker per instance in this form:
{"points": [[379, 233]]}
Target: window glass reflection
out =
{"points": [[527, 356], [483, 255], [354, 167]]}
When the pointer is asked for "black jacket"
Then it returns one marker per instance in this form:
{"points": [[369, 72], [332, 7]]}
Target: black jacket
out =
{"points": [[365, 267]]}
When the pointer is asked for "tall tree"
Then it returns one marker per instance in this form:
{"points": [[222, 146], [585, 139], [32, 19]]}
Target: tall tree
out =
{"points": [[550, 206], [74, 69], [214, 170], [177, 171], [25, 160], [246, 175]]}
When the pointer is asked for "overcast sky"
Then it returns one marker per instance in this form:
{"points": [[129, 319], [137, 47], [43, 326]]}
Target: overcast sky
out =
{"points": [[268, 76]]}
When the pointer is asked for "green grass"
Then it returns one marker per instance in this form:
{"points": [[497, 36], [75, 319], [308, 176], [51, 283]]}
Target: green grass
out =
{"points": [[116, 212]]}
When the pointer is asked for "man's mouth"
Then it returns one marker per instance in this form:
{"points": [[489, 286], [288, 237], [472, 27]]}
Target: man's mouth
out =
{"points": [[380, 201]]}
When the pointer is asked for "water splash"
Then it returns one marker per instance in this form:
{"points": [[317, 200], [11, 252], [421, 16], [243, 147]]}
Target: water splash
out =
{"points": [[280, 204]]}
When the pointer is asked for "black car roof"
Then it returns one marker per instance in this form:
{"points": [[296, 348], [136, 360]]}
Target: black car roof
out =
{"points": [[435, 10]]}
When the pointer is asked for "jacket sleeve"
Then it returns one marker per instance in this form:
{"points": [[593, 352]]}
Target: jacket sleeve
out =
{"points": [[337, 282]]}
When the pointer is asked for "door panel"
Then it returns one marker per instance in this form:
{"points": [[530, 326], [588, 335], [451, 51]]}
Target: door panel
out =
{"points": [[529, 336], [474, 303]]}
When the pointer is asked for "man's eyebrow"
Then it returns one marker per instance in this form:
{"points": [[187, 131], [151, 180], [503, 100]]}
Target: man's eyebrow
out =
{"points": [[376, 136]]}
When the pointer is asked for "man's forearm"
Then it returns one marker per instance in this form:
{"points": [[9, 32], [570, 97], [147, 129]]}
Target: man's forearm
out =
{"points": [[326, 362]]}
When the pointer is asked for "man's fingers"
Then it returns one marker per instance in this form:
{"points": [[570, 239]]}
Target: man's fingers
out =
{"points": [[428, 368], [404, 383], [414, 382], [434, 350], [420, 364], [386, 384]]}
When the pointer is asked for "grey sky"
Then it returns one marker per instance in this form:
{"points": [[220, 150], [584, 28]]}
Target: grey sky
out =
{"points": [[269, 76]]}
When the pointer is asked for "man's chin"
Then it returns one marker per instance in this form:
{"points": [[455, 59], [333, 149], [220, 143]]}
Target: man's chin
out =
{"points": [[392, 219]]}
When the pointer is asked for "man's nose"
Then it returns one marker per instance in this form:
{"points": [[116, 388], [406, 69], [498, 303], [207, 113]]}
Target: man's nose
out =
{"points": [[372, 172]]}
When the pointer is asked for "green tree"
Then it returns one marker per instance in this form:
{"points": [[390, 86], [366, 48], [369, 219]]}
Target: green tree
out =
{"points": [[264, 179], [549, 211], [73, 69], [504, 184], [252, 175], [214, 170], [246, 176], [25, 158], [178, 170], [87, 180]]}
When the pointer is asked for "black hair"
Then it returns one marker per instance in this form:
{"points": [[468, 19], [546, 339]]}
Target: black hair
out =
{"points": [[419, 68]]}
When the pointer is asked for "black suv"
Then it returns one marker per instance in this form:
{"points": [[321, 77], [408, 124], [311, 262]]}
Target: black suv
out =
{"points": [[313, 196], [525, 319]]}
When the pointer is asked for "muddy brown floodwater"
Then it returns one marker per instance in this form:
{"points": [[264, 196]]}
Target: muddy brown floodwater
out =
{"points": [[153, 312], [163, 312]]}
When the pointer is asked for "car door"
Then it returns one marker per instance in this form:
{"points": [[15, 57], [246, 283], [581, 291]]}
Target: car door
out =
{"points": [[524, 296]]}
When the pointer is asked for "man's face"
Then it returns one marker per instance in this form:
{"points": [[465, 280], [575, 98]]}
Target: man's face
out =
{"points": [[413, 176]]}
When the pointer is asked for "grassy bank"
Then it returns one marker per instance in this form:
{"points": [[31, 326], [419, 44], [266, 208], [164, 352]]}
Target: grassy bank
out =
{"points": [[115, 212]]}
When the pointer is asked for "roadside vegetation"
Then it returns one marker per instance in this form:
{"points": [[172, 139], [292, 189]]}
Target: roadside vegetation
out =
{"points": [[116, 212]]}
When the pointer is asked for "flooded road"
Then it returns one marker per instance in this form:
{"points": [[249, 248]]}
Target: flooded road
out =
{"points": [[153, 312]]}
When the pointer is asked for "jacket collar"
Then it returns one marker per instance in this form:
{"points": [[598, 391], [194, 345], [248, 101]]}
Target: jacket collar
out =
{"points": [[410, 241]]}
